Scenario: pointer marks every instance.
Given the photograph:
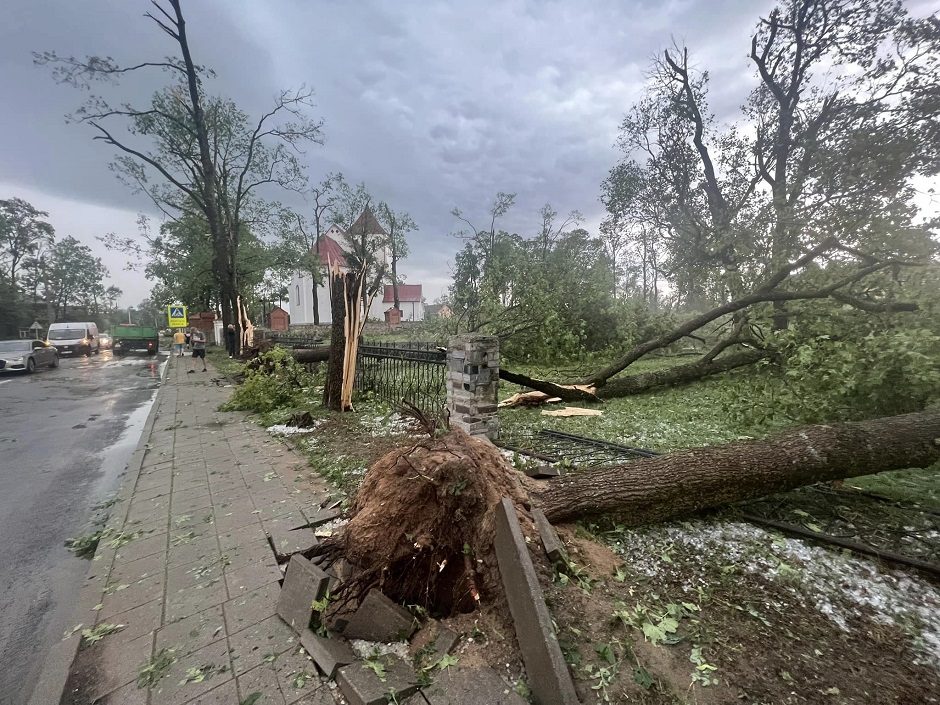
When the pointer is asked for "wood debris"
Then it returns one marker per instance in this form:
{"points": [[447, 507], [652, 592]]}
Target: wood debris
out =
{"points": [[572, 411]]}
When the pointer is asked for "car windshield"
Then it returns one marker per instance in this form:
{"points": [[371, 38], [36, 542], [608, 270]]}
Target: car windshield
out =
{"points": [[15, 345], [66, 333]]}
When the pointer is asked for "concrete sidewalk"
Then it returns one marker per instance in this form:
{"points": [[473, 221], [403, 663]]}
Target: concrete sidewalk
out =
{"points": [[188, 570]]}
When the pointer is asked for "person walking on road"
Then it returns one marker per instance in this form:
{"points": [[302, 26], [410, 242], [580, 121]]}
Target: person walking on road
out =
{"points": [[178, 339], [198, 339], [230, 337]]}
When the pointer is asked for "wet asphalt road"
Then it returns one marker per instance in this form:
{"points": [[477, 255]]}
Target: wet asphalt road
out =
{"points": [[66, 435]]}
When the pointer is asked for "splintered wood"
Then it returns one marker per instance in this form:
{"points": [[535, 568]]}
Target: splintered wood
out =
{"points": [[572, 411]]}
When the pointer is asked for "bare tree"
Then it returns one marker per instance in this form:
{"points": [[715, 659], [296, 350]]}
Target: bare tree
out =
{"points": [[398, 225], [309, 233], [203, 151]]}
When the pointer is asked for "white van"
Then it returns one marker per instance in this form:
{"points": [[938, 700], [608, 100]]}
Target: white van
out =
{"points": [[80, 338]]}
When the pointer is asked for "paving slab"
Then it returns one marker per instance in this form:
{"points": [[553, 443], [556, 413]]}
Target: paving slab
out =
{"points": [[435, 640], [250, 577], [547, 672], [303, 584], [297, 675], [193, 675], [261, 643], [380, 619], [318, 517], [287, 542], [361, 685], [193, 632], [542, 472], [328, 653], [471, 686]]}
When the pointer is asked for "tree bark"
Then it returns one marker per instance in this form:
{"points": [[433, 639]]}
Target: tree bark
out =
{"points": [[684, 482], [680, 374], [320, 353], [564, 392], [316, 305], [333, 389]]}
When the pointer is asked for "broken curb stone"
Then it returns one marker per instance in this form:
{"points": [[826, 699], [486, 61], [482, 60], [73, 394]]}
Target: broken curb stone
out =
{"points": [[380, 619], [554, 548], [303, 584], [542, 472], [547, 671]]}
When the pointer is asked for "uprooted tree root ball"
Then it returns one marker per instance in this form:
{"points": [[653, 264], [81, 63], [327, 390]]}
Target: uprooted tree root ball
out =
{"points": [[422, 526]]}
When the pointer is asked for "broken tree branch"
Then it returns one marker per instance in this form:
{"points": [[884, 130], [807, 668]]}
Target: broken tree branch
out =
{"points": [[562, 391], [765, 293], [680, 374]]}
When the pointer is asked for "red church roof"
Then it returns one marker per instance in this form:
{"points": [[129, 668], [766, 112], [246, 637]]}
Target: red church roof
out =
{"points": [[406, 292], [330, 251]]}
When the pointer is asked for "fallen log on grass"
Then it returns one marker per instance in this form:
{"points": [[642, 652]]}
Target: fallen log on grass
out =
{"points": [[679, 374], [565, 392], [678, 484], [423, 509], [320, 353]]}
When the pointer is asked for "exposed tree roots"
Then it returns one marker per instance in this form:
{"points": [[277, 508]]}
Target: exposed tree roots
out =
{"points": [[422, 525]]}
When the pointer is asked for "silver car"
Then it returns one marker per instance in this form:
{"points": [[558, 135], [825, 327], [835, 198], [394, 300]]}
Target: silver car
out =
{"points": [[27, 355]]}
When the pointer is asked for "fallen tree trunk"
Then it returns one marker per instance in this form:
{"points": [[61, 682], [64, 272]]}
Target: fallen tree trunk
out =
{"points": [[562, 391], [321, 353], [636, 384], [680, 374], [681, 483], [423, 508]]}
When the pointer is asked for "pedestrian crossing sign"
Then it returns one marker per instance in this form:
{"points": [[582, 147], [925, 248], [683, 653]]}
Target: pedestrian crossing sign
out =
{"points": [[176, 316]]}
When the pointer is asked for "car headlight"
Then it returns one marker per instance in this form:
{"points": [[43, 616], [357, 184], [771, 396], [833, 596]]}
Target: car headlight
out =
{"points": [[17, 360]]}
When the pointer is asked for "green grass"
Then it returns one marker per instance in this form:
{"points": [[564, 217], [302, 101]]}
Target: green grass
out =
{"points": [[716, 410], [705, 413], [918, 485]]}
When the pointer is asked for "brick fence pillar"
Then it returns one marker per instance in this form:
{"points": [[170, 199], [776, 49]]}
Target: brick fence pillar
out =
{"points": [[472, 383]]}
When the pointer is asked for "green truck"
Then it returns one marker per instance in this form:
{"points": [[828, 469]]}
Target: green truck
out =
{"points": [[128, 337]]}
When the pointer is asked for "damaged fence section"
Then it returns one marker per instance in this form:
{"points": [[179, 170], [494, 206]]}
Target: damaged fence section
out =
{"points": [[409, 372], [458, 383]]}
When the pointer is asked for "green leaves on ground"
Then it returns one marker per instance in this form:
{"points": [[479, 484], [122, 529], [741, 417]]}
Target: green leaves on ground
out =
{"points": [[84, 546], [156, 668], [99, 632], [273, 380], [660, 626]]}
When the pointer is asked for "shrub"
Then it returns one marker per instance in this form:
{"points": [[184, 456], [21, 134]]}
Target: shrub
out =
{"points": [[273, 380]]}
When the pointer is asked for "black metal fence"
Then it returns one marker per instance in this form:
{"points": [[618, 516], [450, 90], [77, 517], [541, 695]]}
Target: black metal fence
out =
{"points": [[412, 372], [295, 341]]}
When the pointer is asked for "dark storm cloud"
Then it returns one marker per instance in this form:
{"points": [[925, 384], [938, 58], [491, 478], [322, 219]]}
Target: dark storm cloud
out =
{"points": [[431, 104]]}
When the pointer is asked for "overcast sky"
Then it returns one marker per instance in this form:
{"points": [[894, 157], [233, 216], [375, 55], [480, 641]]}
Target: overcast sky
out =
{"points": [[432, 104]]}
